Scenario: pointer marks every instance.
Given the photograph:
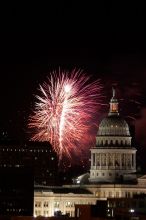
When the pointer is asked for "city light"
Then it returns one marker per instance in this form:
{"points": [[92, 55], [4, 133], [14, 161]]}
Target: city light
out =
{"points": [[131, 210]]}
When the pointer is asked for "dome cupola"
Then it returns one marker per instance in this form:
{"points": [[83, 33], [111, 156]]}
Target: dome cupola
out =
{"points": [[113, 105]]}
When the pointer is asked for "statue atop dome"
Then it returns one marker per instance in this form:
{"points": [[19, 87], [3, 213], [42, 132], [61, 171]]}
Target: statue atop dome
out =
{"points": [[114, 92]]}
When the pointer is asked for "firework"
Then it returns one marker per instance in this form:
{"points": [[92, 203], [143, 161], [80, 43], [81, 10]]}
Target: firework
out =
{"points": [[63, 111]]}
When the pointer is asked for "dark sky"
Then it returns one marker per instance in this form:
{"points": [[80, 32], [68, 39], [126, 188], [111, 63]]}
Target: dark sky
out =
{"points": [[106, 40]]}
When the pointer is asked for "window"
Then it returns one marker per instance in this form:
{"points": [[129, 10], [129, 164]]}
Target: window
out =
{"points": [[102, 174], [97, 194], [110, 194], [127, 194], [97, 174], [104, 194], [56, 204], [117, 194], [38, 204], [110, 174], [69, 204], [114, 107], [45, 204]]}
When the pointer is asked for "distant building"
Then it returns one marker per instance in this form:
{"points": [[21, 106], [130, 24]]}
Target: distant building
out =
{"points": [[114, 208], [50, 200], [16, 191], [127, 208], [112, 172], [37, 156], [89, 212]]}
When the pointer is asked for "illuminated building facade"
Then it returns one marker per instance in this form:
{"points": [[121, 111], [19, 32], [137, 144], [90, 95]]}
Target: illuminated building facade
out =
{"points": [[50, 200], [112, 172]]}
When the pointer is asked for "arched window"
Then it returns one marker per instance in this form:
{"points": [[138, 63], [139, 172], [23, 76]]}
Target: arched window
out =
{"points": [[116, 143], [111, 143], [110, 194], [106, 142]]}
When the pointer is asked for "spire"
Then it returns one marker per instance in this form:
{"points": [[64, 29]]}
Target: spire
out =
{"points": [[113, 104]]}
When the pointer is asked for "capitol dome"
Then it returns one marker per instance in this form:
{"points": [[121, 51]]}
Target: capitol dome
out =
{"points": [[113, 159], [113, 130], [113, 126]]}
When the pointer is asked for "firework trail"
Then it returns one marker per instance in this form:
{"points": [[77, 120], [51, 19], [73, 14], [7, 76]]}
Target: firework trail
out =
{"points": [[63, 111]]}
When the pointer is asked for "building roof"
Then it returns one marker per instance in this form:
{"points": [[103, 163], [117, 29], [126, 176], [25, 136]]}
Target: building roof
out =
{"points": [[62, 190]]}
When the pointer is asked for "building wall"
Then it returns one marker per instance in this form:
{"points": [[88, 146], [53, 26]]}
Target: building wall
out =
{"points": [[16, 191], [109, 166], [46, 203]]}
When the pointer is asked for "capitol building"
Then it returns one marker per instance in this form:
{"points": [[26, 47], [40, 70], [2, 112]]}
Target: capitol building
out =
{"points": [[112, 171]]}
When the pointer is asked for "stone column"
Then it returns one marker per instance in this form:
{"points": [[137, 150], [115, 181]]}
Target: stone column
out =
{"points": [[113, 160], [92, 159], [106, 161], [100, 160], [126, 161], [120, 161], [96, 160]]}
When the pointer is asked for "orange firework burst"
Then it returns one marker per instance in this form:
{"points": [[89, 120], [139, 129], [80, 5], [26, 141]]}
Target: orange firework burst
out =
{"points": [[64, 110]]}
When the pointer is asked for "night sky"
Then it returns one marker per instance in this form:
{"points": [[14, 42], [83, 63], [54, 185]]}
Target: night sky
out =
{"points": [[105, 40]]}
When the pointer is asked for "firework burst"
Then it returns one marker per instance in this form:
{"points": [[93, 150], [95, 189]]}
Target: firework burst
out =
{"points": [[63, 111]]}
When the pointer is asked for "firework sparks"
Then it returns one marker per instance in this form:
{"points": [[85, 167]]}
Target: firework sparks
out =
{"points": [[63, 111]]}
